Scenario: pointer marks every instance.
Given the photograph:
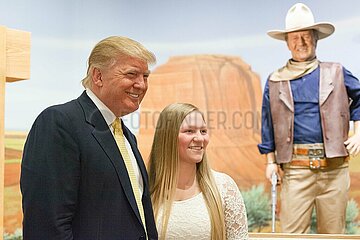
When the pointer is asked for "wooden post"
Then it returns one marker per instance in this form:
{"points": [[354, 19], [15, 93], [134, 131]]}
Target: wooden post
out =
{"points": [[2, 130], [14, 66]]}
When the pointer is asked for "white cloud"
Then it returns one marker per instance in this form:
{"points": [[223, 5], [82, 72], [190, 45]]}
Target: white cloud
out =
{"points": [[222, 44], [348, 25], [343, 27], [63, 43]]}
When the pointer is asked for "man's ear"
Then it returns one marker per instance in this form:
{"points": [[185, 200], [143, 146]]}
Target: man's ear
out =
{"points": [[96, 77]]}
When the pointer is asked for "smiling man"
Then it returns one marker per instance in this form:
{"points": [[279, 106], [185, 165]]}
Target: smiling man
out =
{"points": [[82, 174], [307, 106]]}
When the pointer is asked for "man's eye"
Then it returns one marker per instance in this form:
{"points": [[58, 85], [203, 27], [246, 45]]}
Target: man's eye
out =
{"points": [[131, 74]]}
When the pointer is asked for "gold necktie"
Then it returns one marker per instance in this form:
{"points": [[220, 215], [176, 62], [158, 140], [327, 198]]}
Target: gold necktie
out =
{"points": [[120, 140]]}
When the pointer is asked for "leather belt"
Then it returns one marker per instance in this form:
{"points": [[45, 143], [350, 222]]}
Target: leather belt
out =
{"points": [[309, 152], [313, 163], [312, 156]]}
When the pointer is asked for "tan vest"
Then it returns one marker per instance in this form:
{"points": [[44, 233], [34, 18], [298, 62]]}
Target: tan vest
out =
{"points": [[334, 113]]}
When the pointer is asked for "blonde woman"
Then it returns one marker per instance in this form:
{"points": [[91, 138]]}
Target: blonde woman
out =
{"points": [[190, 200]]}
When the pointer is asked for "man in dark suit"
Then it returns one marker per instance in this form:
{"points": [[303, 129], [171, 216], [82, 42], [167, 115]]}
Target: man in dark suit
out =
{"points": [[75, 181]]}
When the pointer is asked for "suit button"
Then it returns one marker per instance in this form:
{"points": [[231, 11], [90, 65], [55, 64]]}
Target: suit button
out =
{"points": [[141, 237]]}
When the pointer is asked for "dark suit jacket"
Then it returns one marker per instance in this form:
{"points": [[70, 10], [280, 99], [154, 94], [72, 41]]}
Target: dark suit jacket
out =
{"points": [[74, 182]]}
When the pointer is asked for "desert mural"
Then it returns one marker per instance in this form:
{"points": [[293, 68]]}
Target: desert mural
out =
{"points": [[229, 93], [225, 88]]}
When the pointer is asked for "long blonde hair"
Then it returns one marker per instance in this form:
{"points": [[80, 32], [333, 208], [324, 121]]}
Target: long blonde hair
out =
{"points": [[163, 169]]}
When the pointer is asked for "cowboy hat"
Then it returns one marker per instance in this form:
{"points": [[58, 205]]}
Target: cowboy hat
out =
{"points": [[299, 18]]}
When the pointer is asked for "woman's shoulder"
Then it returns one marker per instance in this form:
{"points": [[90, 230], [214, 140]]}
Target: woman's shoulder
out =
{"points": [[223, 179]]}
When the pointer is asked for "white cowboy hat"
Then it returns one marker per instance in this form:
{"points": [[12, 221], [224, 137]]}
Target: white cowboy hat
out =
{"points": [[298, 18]]}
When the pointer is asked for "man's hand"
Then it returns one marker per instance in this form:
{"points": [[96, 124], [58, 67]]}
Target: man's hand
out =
{"points": [[270, 168], [353, 142]]}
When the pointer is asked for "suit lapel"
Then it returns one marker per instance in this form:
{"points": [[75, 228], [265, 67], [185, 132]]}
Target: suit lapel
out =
{"points": [[104, 137]]}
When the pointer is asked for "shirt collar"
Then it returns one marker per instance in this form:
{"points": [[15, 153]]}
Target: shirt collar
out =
{"points": [[108, 115]]}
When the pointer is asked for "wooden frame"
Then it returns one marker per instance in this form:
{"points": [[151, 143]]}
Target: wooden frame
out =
{"points": [[288, 236], [14, 66]]}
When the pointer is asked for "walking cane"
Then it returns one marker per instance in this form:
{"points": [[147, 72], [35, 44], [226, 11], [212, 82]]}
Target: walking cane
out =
{"points": [[273, 198]]}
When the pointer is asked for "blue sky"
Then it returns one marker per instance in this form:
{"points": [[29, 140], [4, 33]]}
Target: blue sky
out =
{"points": [[64, 32]]}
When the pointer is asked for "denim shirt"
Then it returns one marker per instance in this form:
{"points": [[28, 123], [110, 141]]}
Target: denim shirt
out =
{"points": [[307, 123]]}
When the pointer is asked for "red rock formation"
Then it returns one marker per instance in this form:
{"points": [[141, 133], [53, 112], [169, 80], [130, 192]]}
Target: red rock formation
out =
{"points": [[229, 93]]}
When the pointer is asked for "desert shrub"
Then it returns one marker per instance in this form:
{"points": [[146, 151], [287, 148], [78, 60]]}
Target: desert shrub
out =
{"points": [[17, 235], [258, 208]]}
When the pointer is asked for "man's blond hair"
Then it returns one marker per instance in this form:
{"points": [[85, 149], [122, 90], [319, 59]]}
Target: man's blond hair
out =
{"points": [[109, 49]]}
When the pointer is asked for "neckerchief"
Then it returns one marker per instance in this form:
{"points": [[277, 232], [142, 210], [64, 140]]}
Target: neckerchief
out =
{"points": [[294, 70]]}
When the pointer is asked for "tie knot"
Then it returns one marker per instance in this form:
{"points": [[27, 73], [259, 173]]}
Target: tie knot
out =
{"points": [[117, 126]]}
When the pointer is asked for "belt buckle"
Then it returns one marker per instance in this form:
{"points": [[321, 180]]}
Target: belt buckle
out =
{"points": [[315, 154]]}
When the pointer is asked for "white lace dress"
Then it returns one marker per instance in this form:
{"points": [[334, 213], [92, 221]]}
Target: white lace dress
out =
{"points": [[189, 219]]}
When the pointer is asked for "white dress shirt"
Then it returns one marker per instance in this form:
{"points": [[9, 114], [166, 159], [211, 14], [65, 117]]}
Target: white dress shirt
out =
{"points": [[109, 117]]}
